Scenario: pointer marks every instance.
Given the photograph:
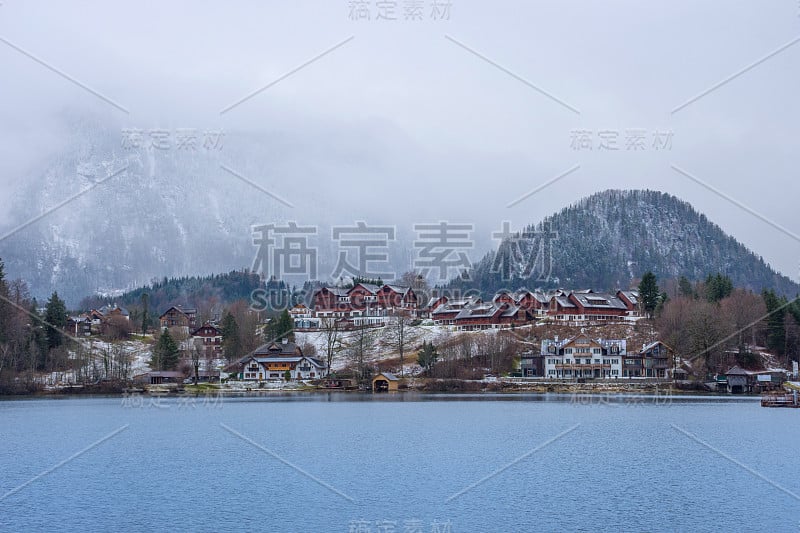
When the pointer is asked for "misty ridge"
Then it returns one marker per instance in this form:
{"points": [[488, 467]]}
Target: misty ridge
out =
{"points": [[170, 202]]}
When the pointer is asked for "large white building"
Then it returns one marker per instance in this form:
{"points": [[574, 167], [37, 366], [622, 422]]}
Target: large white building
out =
{"points": [[583, 357]]}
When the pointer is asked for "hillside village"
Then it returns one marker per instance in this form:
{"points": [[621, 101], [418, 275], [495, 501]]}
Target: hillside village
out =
{"points": [[343, 337]]}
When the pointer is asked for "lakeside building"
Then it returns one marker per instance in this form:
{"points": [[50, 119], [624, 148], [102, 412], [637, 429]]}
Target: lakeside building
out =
{"points": [[583, 357], [271, 361]]}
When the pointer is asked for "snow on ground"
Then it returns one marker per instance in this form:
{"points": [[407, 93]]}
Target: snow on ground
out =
{"points": [[383, 349]]}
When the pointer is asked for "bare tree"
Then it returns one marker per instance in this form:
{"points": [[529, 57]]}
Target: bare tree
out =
{"points": [[399, 329], [359, 347], [333, 340], [196, 353], [743, 310]]}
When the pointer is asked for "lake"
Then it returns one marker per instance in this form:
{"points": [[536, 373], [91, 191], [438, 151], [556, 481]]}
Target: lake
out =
{"points": [[399, 463]]}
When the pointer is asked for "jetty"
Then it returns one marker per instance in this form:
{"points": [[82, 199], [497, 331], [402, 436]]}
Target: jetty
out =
{"points": [[784, 399]]}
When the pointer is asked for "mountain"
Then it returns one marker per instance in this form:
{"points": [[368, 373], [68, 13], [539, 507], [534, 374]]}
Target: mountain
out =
{"points": [[608, 239], [96, 213]]}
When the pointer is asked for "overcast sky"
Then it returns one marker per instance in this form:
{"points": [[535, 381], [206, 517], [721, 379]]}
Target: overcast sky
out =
{"points": [[420, 107]]}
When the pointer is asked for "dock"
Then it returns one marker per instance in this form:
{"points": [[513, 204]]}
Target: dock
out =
{"points": [[788, 399]]}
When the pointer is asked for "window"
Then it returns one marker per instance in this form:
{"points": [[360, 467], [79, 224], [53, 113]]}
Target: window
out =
{"points": [[597, 361]]}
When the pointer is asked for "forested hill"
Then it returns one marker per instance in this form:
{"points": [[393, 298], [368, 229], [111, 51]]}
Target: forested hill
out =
{"points": [[610, 238], [195, 290]]}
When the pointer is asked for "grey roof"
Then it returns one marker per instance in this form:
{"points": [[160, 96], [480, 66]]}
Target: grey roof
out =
{"points": [[737, 371], [295, 359], [270, 348], [106, 309], [479, 310], [398, 288], [184, 310], [633, 296], [338, 291], [563, 301], [648, 347], [433, 300], [389, 376], [599, 300]]}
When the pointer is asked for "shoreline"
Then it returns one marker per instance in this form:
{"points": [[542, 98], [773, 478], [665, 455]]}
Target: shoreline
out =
{"points": [[428, 386]]}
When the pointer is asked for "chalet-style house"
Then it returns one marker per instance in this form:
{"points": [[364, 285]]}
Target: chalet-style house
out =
{"points": [[303, 317], [210, 337], [79, 326], [364, 303], [179, 316], [272, 360], [108, 311], [590, 307], [654, 360], [583, 357], [575, 307]]}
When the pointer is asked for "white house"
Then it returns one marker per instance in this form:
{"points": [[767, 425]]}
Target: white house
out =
{"points": [[272, 360], [583, 357]]}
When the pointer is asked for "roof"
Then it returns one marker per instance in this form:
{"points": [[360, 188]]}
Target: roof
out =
{"points": [[295, 359], [633, 296], [369, 286], [181, 309], [106, 309], [563, 301], [398, 288], [334, 290], [387, 375], [648, 347], [274, 349], [599, 300], [207, 325], [737, 371], [163, 374]]}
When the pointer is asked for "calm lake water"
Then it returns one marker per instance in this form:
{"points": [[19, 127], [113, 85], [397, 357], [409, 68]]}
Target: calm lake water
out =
{"points": [[408, 462]]}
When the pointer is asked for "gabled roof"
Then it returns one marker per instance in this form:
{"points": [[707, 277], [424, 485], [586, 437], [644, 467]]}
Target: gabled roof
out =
{"points": [[632, 296], [648, 347], [275, 349], [183, 310], [397, 288], [371, 288], [737, 371], [563, 301], [207, 325], [338, 291], [389, 376], [106, 309], [433, 300]]}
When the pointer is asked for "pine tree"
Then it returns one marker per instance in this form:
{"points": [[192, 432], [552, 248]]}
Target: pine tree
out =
{"points": [[649, 292], [166, 353], [427, 356], [145, 312], [56, 320], [685, 287], [231, 341]]}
